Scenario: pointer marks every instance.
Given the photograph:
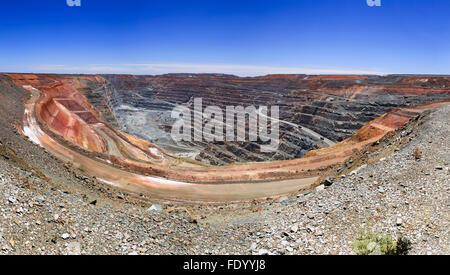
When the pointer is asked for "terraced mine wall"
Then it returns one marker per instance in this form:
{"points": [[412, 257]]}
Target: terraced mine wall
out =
{"points": [[312, 108], [59, 107]]}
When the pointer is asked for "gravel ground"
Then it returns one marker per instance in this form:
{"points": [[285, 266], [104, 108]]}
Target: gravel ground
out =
{"points": [[392, 192]]}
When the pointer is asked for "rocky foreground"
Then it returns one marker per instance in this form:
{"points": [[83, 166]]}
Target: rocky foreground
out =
{"points": [[399, 186]]}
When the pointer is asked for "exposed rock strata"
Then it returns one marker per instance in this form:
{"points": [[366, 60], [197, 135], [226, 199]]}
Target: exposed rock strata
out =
{"points": [[62, 119], [142, 105]]}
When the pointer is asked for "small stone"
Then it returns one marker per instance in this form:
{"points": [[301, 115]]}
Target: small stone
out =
{"points": [[356, 171], [399, 222], [328, 182], [40, 199], [65, 236], [320, 188], [286, 234], [310, 216], [155, 207], [263, 252], [310, 229], [283, 199], [294, 228]]}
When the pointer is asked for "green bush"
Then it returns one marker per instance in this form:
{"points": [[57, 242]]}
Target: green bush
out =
{"points": [[373, 243], [403, 246]]}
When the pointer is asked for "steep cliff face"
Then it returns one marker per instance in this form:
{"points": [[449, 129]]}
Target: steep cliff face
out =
{"points": [[313, 109]]}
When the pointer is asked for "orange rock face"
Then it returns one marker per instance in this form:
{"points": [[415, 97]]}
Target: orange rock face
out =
{"points": [[69, 124], [63, 110]]}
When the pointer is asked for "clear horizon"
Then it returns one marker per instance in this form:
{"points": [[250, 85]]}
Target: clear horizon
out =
{"points": [[244, 38]]}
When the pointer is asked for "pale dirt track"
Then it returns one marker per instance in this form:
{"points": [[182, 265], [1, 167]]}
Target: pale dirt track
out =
{"points": [[157, 187]]}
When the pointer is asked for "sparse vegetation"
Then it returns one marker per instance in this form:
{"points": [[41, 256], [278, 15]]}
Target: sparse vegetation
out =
{"points": [[403, 246], [373, 243]]}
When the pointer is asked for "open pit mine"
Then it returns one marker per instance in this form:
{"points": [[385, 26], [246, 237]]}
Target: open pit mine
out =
{"points": [[117, 128]]}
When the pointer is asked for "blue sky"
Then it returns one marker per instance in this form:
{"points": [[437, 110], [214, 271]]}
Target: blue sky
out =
{"points": [[242, 37]]}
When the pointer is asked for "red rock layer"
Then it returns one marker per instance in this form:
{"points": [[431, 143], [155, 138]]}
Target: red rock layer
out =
{"points": [[69, 125]]}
